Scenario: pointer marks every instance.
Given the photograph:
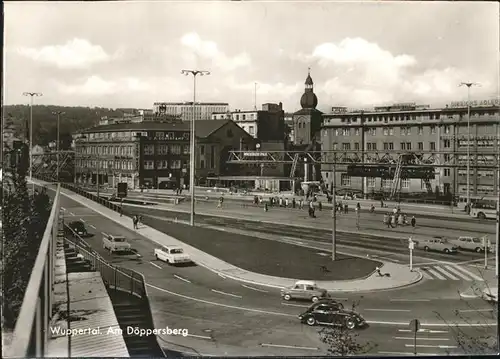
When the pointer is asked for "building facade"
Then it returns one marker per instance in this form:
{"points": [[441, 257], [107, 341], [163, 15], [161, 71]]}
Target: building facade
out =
{"points": [[412, 128], [267, 124], [203, 111], [155, 154]]}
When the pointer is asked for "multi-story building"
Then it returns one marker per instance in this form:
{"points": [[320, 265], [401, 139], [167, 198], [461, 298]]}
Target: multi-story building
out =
{"points": [[289, 127], [267, 124], [140, 116], [408, 127], [204, 110], [155, 154]]}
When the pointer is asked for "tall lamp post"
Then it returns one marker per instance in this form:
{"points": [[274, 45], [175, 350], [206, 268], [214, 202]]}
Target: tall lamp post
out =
{"points": [[192, 161], [58, 114], [31, 95], [469, 85]]}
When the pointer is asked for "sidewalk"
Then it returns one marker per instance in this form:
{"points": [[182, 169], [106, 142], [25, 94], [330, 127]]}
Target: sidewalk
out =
{"points": [[370, 224], [414, 209], [400, 274]]}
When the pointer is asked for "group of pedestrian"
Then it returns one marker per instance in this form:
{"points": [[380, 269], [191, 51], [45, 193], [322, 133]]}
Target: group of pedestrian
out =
{"points": [[396, 218], [136, 220]]}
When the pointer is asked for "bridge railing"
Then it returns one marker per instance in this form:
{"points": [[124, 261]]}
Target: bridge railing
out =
{"points": [[31, 333], [114, 277]]}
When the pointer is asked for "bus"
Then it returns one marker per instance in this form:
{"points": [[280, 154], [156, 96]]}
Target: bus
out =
{"points": [[485, 208], [462, 200]]}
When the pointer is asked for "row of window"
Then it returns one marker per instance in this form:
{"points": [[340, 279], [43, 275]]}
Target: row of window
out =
{"points": [[174, 149], [106, 150], [420, 117], [345, 181], [405, 146], [104, 164], [389, 131], [162, 164]]}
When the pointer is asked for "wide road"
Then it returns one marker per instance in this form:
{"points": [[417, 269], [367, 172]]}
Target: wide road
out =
{"points": [[304, 232], [227, 317]]}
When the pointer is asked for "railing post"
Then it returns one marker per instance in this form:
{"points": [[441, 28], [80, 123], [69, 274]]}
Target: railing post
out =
{"points": [[38, 329], [46, 308]]}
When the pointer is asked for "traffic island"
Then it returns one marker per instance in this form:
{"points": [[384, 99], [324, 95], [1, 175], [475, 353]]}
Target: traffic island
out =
{"points": [[268, 257]]}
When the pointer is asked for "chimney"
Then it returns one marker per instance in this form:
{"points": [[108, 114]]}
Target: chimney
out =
{"points": [[281, 106]]}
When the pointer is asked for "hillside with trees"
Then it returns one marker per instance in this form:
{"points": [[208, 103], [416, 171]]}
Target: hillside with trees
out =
{"points": [[45, 123]]}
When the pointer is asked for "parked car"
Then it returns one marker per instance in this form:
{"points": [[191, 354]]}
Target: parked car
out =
{"points": [[77, 227], [471, 243], [437, 244], [172, 254], [115, 243], [305, 290], [332, 314]]}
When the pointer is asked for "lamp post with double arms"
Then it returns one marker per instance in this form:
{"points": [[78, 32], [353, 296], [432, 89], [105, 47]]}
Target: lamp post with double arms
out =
{"points": [[192, 159], [31, 95], [58, 114]]}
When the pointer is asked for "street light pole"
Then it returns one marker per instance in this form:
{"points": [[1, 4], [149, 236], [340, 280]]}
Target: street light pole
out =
{"points": [[192, 157], [468, 84], [31, 94], [334, 209], [58, 114]]}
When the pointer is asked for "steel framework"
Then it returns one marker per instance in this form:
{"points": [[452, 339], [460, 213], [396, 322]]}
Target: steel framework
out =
{"points": [[46, 164], [486, 159]]}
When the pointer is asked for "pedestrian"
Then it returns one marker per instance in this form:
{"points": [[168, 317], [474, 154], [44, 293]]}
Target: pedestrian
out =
{"points": [[320, 206], [266, 208], [134, 220], [346, 209], [413, 221], [358, 207], [139, 220], [286, 202], [221, 200], [394, 221], [121, 210], [378, 272], [301, 203], [386, 220], [381, 203], [294, 203]]}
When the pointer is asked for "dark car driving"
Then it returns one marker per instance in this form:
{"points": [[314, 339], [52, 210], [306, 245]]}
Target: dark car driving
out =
{"points": [[331, 313], [77, 227]]}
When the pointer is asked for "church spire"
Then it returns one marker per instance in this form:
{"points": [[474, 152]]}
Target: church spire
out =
{"points": [[309, 82]]}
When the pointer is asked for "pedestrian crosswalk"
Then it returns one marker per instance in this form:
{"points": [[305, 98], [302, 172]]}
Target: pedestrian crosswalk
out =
{"points": [[450, 272]]}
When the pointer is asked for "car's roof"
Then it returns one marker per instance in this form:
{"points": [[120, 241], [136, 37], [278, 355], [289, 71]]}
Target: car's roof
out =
{"points": [[115, 235], [172, 246], [305, 282]]}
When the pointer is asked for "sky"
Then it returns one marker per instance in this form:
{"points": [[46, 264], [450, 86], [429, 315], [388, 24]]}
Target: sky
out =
{"points": [[361, 54]]}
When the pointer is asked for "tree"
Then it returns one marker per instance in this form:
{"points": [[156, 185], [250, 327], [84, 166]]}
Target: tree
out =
{"points": [[480, 337], [342, 341], [24, 222]]}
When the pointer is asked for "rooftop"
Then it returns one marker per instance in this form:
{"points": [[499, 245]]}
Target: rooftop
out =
{"points": [[191, 103]]}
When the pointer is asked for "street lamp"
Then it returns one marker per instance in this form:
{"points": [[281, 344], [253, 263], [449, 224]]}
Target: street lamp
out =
{"points": [[192, 138], [58, 114], [468, 84], [31, 94]]}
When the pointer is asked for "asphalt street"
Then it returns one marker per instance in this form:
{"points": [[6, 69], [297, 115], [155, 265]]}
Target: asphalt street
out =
{"points": [[251, 320]]}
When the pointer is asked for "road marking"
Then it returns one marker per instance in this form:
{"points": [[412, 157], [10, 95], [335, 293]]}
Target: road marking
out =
{"points": [[92, 226], [412, 338], [447, 273], [454, 270], [257, 289], [474, 310], [199, 336], [82, 220], [183, 279], [220, 292], [401, 353], [470, 274], [71, 213], [323, 254], [220, 275], [437, 325], [63, 208], [156, 265], [287, 346], [410, 300], [295, 305], [436, 274], [104, 234], [423, 331], [388, 310], [431, 346]]}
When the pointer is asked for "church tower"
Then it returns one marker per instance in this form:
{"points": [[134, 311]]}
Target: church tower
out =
{"points": [[307, 121]]}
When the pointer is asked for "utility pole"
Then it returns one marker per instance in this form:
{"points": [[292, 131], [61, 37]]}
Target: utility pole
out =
{"points": [[468, 84], [31, 95], [98, 165], [192, 160], [255, 97], [334, 211], [58, 114]]}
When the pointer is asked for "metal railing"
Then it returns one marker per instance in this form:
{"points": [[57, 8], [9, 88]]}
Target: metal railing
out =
{"points": [[114, 277], [31, 332]]}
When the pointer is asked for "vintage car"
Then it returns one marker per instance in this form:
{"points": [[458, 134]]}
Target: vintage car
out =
{"points": [[304, 290], [172, 254]]}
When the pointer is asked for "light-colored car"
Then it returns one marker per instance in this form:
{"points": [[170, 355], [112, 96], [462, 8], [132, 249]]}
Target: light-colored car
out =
{"points": [[305, 290], [437, 244], [471, 243], [115, 243], [172, 254]]}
